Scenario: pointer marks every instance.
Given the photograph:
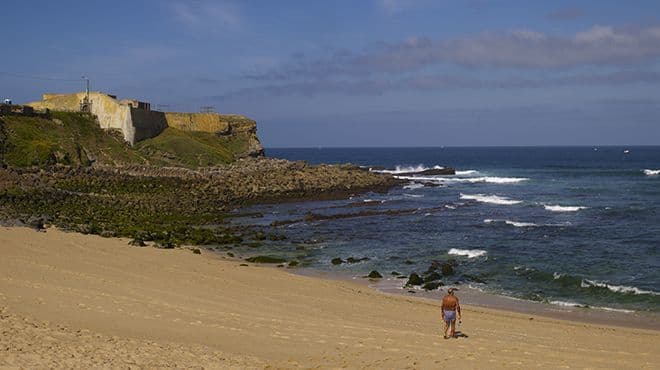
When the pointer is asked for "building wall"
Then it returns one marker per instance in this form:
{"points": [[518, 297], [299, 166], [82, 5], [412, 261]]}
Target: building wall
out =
{"points": [[135, 124], [147, 123]]}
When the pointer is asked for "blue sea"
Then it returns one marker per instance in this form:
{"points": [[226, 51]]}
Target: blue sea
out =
{"points": [[565, 226]]}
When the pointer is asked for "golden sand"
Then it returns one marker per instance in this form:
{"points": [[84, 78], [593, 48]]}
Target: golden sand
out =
{"points": [[71, 300]]}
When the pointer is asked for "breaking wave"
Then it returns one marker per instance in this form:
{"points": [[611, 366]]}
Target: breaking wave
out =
{"points": [[652, 172], [512, 223], [580, 305], [524, 224], [623, 289], [466, 172], [409, 169], [558, 208], [472, 180], [413, 186], [469, 253], [492, 199]]}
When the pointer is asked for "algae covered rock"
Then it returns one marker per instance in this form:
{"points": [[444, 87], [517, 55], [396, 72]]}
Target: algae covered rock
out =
{"points": [[432, 285], [265, 259], [137, 243], [375, 275], [414, 279], [336, 261], [356, 260]]}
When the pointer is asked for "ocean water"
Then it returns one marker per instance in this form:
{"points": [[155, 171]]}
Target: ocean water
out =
{"points": [[567, 226]]}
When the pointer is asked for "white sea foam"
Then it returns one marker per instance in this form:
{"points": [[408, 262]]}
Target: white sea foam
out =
{"points": [[612, 309], [580, 305], [557, 275], [652, 172], [567, 304], [492, 199], [469, 253], [449, 206], [558, 208], [413, 186], [413, 195], [466, 172], [616, 288], [512, 223], [407, 169], [471, 180]]}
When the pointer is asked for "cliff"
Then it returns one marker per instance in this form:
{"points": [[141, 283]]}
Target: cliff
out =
{"points": [[73, 138], [237, 135], [237, 129]]}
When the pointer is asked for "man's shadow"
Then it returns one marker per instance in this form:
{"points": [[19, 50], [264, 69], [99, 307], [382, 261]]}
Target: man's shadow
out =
{"points": [[460, 334]]}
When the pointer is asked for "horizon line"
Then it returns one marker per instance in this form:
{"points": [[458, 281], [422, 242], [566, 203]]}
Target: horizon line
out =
{"points": [[466, 146]]}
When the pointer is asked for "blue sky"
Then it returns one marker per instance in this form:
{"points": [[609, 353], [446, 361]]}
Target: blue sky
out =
{"points": [[359, 73]]}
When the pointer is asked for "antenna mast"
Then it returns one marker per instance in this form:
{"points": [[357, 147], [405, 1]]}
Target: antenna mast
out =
{"points": [[85, 105]]}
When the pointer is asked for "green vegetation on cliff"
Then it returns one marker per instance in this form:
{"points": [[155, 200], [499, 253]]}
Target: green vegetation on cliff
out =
{"points": [[70, 138], [65, 138], [191, 148]]}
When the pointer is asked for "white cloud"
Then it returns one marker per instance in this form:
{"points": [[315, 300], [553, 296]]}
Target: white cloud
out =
{"points": [[627, 46]]}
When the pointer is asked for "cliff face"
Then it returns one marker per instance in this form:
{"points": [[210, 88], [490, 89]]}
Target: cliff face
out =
{"points": [[138, 122], [165, 135], [241, 128], [73, 138]]}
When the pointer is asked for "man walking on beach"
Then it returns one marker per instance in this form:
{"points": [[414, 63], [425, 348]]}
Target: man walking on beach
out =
{"points": [[450, 307]]}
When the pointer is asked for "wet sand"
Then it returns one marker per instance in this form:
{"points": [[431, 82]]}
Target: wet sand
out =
{"points": [[72, 300]]}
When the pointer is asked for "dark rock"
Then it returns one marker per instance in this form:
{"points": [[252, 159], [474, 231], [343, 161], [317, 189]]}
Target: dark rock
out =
{"points": [[375, 275], [434, 266], [265, 259], [244, 264], [432, 277], [402, 277], [137, 243], [475, 279], [293, 263], [431, 172], [230, 254], [196, 251], [37, 223], [447, 269], [409, 262], [414, 279], [356, 260], [164, 245], [336, 261], [394, 273], [276, 237], [432, 285]]}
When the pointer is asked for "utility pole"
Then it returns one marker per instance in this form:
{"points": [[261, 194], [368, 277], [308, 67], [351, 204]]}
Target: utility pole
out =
{"points": [[86, 86], [85, 105]]}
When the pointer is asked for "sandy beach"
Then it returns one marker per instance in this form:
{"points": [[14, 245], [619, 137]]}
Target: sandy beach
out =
{"points": [[73, 300]]}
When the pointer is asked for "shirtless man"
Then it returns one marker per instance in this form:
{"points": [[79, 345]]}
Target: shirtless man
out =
{"points": [[450, 306]]}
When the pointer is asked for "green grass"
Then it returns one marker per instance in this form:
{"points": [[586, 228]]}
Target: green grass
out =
{"points": [[66, 138], [76, 139], [191, 148]]}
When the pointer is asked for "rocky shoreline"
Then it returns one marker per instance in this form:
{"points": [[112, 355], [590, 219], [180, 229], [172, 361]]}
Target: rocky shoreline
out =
{"points": [[171, 206]]}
